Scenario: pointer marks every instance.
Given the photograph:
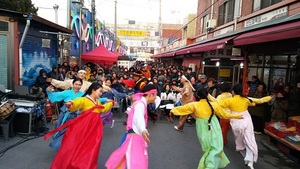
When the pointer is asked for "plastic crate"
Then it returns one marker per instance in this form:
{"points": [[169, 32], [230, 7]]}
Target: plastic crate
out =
{"points": [[280, 129], [269, 126], [293, 138], [283, 133], [294, 121]]}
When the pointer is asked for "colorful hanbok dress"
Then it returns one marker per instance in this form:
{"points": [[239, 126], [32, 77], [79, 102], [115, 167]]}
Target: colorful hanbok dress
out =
{"points": [[64, 114], [243, 128], [81, 142], [133, 152], [210, 139]]}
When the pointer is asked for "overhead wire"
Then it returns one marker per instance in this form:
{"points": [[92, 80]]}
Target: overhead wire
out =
{"points": [[185, 25]]}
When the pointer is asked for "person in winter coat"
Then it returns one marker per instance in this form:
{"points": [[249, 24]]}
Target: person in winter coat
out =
{"points": [[279, 108], [100, 73], [41, 80], [257, 112]]}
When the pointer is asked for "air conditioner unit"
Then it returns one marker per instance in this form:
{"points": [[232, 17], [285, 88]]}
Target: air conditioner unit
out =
{"points": [[211, 24]]}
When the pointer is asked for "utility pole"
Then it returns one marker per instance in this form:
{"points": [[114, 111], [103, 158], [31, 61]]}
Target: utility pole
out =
{"points": [[115, 18], [55, 7], [93, 23], [159, 20], [68, 13], [80, 33]]}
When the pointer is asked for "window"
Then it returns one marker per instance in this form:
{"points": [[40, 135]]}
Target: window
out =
{"points": [[226, 12], [261, 4], [237, 8], [204, 21], [3, 26]]}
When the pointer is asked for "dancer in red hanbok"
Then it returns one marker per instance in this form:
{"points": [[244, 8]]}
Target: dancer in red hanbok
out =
{"points": [[81, 142]]}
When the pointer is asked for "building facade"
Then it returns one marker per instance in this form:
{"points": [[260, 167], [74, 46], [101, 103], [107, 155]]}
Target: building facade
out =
{"points": [[26, 48], [236, 39]]}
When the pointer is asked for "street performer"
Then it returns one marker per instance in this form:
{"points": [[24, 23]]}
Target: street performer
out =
{"points": [[81, 142], [67, 84], [187, 92], [133, 152]]}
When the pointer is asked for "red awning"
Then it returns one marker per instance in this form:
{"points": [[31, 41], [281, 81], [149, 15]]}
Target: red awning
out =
{"points": [[184, 51], [163, 55], [168, 54], [156, 55], [212, 45], [99, 55], [274, 33]]}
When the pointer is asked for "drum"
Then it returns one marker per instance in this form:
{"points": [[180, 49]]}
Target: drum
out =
{"points": [[6, 108]]}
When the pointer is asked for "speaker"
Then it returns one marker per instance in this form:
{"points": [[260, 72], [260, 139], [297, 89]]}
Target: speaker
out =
{"points": [[23, 122]]}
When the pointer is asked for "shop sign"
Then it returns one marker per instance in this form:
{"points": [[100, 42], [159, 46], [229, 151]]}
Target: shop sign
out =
{"points": [[176, 44], [236, 51], [224, 73], [201, 38], [267, 17], [227, 51], [223, 31], [132, 33]]}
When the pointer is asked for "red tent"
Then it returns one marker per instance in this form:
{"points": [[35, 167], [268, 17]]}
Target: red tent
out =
{"points": [[116, 53], [100, 55]]}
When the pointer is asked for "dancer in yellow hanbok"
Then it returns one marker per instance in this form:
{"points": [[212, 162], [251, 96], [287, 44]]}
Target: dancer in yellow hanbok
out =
{"points": [[208, 129], [243, 128]]}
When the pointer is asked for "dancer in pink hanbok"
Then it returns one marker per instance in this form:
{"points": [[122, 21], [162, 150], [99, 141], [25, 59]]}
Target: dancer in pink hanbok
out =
{"points": [[133, 153]]}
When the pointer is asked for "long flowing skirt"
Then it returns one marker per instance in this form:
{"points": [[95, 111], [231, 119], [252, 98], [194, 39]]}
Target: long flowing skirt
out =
{"points": [[80, 144], [244, 135], [132, 154], [211, 143]]}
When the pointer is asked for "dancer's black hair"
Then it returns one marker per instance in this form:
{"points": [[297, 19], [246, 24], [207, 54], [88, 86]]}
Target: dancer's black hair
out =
{"points": [[77, 79], [238, 90], [224, 87], [93, 86], [148, 87], [202, 94]]}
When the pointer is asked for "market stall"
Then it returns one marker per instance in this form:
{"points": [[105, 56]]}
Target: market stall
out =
{"points": [[287, 135]]}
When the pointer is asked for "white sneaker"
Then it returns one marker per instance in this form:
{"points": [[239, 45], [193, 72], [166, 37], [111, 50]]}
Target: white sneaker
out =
{"points": [[176, 128], [250, 165], [112, 124]]}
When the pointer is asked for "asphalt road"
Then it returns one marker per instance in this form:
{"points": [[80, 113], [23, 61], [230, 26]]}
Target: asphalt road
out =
{"points": [[169, 149]]}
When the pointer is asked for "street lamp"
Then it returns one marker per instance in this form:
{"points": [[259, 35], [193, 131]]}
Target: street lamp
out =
{"points": [[80, 5]]}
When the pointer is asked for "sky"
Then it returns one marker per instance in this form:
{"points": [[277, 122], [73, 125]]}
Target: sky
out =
{"points": [[142, 11]]}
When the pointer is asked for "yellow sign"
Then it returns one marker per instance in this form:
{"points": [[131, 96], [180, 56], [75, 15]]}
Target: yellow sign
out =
{"points": [[132, 33], [224, 73]]}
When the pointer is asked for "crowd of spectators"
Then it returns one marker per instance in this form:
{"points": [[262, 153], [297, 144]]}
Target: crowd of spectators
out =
{"points": [[166, 78]]}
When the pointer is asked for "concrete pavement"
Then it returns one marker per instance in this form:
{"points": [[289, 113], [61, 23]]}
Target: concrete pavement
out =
{"points": [[169, 149]]}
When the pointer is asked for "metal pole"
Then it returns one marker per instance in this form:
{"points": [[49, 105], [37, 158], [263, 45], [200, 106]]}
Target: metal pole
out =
{"points": [[80, 34], [29, 18], [55, 7], [159, 20], [115, 18], [93, 24], [68, 13]]}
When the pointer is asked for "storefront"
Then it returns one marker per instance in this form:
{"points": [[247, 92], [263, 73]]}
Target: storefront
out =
{"points": [[270, 51], [267, 50]]}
